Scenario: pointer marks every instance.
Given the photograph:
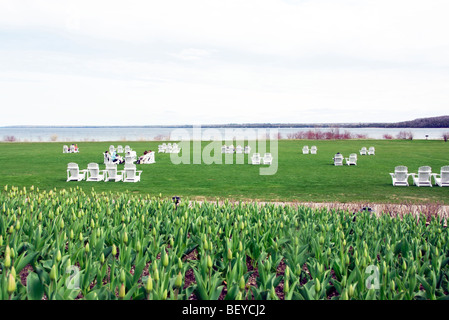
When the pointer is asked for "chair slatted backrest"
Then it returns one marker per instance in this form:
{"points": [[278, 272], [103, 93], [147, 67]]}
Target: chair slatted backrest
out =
{"points": [[424, 173], [338, 159], [256, 157], [401, 173], [94, 169], [353, 157], [65, 149], [129, 159], [112, 170], [73, 169], [130, 170], [267, 157], [119, 149], [444, 174]]}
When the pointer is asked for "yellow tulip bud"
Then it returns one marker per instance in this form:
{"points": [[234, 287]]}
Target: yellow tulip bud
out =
{"points": [[178, 281], [317, 286], [229, 255], [209, 262], [58, 256], [122, 292], [165, 260], [7, 262], [53, 273], [351, 291], [149, 284], [11, 286], [242, 284]]}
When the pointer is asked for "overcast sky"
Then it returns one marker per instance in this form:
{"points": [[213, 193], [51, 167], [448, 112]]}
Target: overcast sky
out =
{"points": [[75, 62]]}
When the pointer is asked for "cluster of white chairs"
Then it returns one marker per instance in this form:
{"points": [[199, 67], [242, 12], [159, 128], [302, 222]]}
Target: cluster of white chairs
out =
{"points": [[306, 150], [266, 159], [119, 149], [423, 178], [371, 151], [71, 149], [238, 149], [338, 159], [93, 173], [168, 148], [130, 155]]}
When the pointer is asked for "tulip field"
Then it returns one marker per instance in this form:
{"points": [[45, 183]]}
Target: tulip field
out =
{"points": [[74, 243]]}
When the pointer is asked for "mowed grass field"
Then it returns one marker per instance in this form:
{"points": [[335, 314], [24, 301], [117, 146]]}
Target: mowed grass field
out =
{"points": [[299, 177]]}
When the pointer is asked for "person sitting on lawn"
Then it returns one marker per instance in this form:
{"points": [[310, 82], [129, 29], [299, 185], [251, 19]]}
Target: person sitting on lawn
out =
{"points": [[116, 158], [142, 157]]}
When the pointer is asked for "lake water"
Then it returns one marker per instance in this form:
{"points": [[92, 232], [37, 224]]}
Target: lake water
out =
{"points": [[78, 134]]}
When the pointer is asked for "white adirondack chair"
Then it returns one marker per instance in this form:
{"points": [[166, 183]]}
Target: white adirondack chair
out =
{"points": [[267, 158], [338, 159], [94, 173], [442, 178], [305, 150], [239, 149], [371, 151], [119, 149], [247, 149], [255, 159], [175, 149], [363, 151], [400, 176], [130, 159], [74, 173], [313, 150], [111, 149], [161, 148], [422, 179], [127, 149], [130, 173], [65, 149], [148, 158], [352, 160], [224, 148], [112, 173], [73, 149]]}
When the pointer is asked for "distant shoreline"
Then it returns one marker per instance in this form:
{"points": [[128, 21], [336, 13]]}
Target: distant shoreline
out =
{"points": [[425, 123]]}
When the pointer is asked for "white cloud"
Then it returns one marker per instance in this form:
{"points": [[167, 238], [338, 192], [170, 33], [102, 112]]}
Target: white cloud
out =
{"points": [[191, 54]]}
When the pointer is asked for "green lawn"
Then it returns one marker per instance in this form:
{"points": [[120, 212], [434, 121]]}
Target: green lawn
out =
{"points": [[299, 177]]}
